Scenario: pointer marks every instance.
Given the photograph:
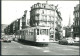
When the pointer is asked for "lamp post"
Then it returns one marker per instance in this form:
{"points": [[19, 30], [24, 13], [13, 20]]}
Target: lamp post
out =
{"points": [[54, 27]]}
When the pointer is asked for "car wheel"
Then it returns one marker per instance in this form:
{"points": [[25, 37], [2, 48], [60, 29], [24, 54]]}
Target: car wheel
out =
{"points": [[66, 43]]}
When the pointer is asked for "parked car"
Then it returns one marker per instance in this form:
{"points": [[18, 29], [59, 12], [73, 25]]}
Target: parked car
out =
{"points": [[66, 41], [76, 39], [7, 40], [1, 39]]}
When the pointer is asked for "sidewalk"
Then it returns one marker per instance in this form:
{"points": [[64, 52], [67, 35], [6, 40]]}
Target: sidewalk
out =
{"points": [[76, 44], [51, 41]]}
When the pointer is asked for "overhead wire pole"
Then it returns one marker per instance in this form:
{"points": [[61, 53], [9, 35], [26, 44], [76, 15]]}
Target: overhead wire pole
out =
{"points": [[54, 19], [54, 26], [54, 22]]}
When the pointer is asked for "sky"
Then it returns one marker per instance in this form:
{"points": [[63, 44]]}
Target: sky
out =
{"points": [[12, 10]]}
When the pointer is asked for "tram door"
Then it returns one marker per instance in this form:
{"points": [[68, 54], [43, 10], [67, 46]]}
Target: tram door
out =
{"points": [[36, 33]]}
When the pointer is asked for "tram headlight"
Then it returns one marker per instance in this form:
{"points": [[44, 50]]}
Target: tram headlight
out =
{"points": [[43, 39]]}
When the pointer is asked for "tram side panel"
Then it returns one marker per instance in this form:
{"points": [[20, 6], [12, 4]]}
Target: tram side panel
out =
{"points": [[29, 35], [35, 35]]}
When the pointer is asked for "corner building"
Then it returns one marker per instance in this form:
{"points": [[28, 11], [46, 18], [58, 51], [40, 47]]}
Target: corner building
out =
{"points": [[76, 23], [42, 14]]}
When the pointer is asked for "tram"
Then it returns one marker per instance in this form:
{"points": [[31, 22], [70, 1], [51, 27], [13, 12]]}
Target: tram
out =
{"points": [[35, 35]]}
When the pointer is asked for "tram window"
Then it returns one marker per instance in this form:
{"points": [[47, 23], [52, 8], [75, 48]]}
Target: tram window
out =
{"points": [[23, 32], [28, 32], [31, 33], [20, 32], [37, 31], [43, 32], [47, 31]]}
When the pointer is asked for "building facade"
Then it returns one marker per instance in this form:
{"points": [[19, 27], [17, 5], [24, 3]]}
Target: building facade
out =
{"points": [[67, 31], [43, 14], [76, 24], [16, 25]]}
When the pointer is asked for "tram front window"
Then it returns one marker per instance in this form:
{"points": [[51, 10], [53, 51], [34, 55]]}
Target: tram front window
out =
{"points": [[43, 31]]}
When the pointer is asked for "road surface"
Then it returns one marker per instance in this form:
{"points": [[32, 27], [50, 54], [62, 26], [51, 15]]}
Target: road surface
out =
{"points": [[16, 48]]}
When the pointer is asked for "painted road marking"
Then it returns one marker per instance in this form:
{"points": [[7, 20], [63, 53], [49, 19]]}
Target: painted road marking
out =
{"points": [[20, 46], [5, 47], [37, 47], [67, 49], [46, 51], [74, 46], [13, 47]]}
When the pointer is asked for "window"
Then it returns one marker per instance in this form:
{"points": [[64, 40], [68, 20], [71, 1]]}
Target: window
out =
{"points": [[37, 31], [47, 31], [52, 12], [26, 32], [75, 23], [49, 18], [78, 14], [48, 12], [36, 17], [43, 32], [45, 12], [37, 11], [39, 4], [36, 6], [51, 24], [31, 33], [42, 11], [45, 18], [42, 5]]}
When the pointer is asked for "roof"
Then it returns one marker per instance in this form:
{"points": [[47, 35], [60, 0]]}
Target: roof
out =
{"points": [[38, 27]]}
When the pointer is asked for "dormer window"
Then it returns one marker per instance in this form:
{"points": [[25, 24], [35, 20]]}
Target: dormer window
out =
{"points": [[44, 6], [39, 5]]}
